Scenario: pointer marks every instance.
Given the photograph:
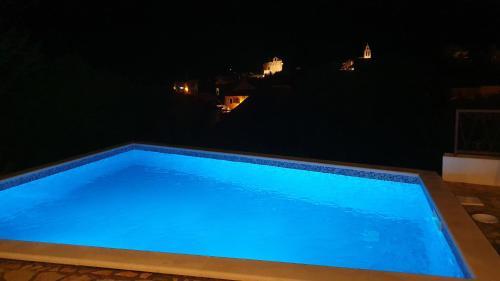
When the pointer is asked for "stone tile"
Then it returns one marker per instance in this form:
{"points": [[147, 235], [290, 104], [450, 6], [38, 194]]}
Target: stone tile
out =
{"points": [[145, 275], [490, 197], [161, 277], [103, 272], [86, 270], [55, 268], [469, 201], [11, 270], [10, 265], [34, 267], [128, 274], [19, 275], [495, 234], [77, 277], [48, 276], [68, 270]]}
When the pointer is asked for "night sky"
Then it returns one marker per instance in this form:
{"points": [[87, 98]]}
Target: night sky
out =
{"points": [[79, 75], [155, 39]]}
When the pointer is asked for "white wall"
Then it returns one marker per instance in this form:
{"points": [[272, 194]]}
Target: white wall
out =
{"points": [[471, 169]]}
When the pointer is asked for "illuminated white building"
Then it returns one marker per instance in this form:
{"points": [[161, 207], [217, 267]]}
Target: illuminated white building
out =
{"points": [[367, 54], [274, 66]]}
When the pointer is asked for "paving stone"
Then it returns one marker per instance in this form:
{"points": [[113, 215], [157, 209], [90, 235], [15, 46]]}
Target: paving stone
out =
{"points": [[48, 276], [34, 267], [162, 277], [491, 199], [55, 268], [145, 275], [470, 201], [18, 275], [11, 270], [10, 265], [76, 277], [495, 234], [103, 272], [128, 274], [68, 270]]}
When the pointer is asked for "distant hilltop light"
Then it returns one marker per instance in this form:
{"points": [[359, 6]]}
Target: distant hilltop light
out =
{"points": [[272, 67], [348, 65], [186, 87], [367, 54]]}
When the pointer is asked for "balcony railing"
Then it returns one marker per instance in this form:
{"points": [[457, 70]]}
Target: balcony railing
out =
{"points": [[477, 132]]}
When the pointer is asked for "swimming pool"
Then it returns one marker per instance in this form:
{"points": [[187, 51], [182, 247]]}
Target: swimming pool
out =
{"points": [[198, 203]]}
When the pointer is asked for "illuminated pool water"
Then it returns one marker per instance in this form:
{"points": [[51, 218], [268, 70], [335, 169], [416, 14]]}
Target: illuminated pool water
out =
{"points": [[168, 202]]}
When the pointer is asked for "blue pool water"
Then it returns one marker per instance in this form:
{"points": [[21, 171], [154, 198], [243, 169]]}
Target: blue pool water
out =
{"points": [[145, 200]]}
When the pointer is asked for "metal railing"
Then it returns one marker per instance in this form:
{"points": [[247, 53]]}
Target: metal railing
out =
{"points": [[477, 131]]}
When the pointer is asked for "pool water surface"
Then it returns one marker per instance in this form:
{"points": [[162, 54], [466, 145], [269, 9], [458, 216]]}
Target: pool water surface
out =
{"points": [[175, 203]]}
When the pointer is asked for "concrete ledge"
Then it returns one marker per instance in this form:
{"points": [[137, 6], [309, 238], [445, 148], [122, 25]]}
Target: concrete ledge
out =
{"points": [[483, 170]]}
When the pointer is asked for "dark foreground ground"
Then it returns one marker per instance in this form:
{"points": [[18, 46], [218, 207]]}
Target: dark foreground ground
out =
{"points": [[490, 196]]}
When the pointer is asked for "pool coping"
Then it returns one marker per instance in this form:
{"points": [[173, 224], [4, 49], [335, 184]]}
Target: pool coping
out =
{"points": [[482, 261]]}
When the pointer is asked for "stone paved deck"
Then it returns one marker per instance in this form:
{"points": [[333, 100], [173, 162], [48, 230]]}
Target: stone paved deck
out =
{"points": [[490, 196], [11, 270]]}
